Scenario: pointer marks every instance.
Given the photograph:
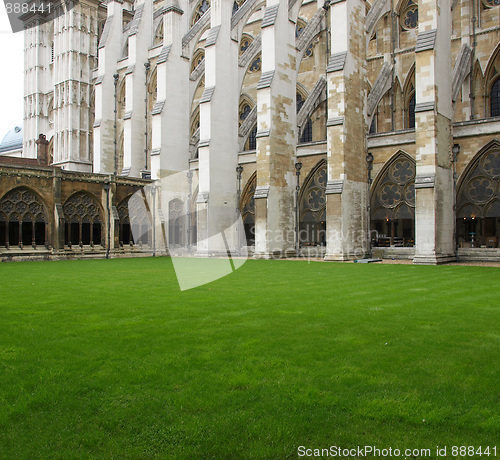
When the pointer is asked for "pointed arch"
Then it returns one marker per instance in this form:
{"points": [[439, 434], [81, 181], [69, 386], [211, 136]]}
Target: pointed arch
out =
{"points": [[158, 37], [198, 58], [492, 84], [247, 208], [23, 218], [83, 216], [199, 10], [245, 41], [125, 236], [312, 207], [392, 202], [408, 14], [409, 99], [478, 199]]}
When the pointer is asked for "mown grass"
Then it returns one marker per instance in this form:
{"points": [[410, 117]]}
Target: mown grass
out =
{"points": [[108, 359]]}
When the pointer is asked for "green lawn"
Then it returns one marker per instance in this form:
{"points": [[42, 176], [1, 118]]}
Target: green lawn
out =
{"points": [[108, 359]]}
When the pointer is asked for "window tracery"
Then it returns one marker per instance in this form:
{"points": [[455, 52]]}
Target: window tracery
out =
{"points": [[393, 203], [409, 15], [247, 209], [83, 220], [200, 10], [478, 200], [22, 219], [312, 206]]}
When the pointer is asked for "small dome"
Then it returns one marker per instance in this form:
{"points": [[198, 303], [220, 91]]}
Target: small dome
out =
{"points": [[13, 140]]}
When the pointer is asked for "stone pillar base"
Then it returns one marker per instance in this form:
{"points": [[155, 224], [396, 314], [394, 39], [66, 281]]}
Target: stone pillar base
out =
{"points": [[341, 257], [214, 253], [285, 254], [434, 259]]}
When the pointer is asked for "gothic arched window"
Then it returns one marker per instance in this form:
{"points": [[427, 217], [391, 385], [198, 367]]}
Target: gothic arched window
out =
{"points": [[198, 58], [176, 217], [83, 220], [409, 15], [478, 200], [245, 43], [247, 209], [23, 220], [312, 207], [411, 111], [237, 5], [393, 203], [200, 10], [307, 134], [256, 65], [251, 143], [309, 51], [135, 219], [299, 28], [158, 40], [495, 98], [244, 111], [300, 101]]}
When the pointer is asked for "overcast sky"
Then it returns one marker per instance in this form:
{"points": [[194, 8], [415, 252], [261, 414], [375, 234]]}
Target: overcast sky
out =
{"points": [[11, 75]]}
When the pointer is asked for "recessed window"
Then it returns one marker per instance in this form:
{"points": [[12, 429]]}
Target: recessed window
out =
{"points": [[300, 101], [307, 134], [244, 111], [252, 139], [409, 15], [309, 51], [411, 111], [200, 10], [495, 98], [256, 65]]}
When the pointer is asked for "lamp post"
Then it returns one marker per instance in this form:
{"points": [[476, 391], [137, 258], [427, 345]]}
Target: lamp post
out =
{"points": [[239, 171], [298, 167], [455, 150], [153, 193], [107, 187], [115, 77], [189, 175], [369, 167]]}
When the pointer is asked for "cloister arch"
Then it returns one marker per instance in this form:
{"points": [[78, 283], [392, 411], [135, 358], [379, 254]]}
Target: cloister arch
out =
{"points": [[478, 199], [23, 218], [84, 221], [312, 207], [392, 203]]}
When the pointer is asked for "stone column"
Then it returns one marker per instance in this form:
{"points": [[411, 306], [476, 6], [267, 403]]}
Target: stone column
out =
{"points": [[218, 147], [276, 136], [433, 124], [347, 190], [109, 50], [170, 115], [134, 123]]}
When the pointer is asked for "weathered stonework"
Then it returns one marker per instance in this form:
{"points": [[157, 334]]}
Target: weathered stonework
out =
{"points": [[269, 85]]}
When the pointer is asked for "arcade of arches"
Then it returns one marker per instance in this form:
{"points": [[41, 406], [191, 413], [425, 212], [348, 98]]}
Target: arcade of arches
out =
{"points": [[46, 212], [392, 203]]}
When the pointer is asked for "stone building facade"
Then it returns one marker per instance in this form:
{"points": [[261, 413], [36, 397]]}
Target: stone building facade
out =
{"points": [[362, 127]]}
